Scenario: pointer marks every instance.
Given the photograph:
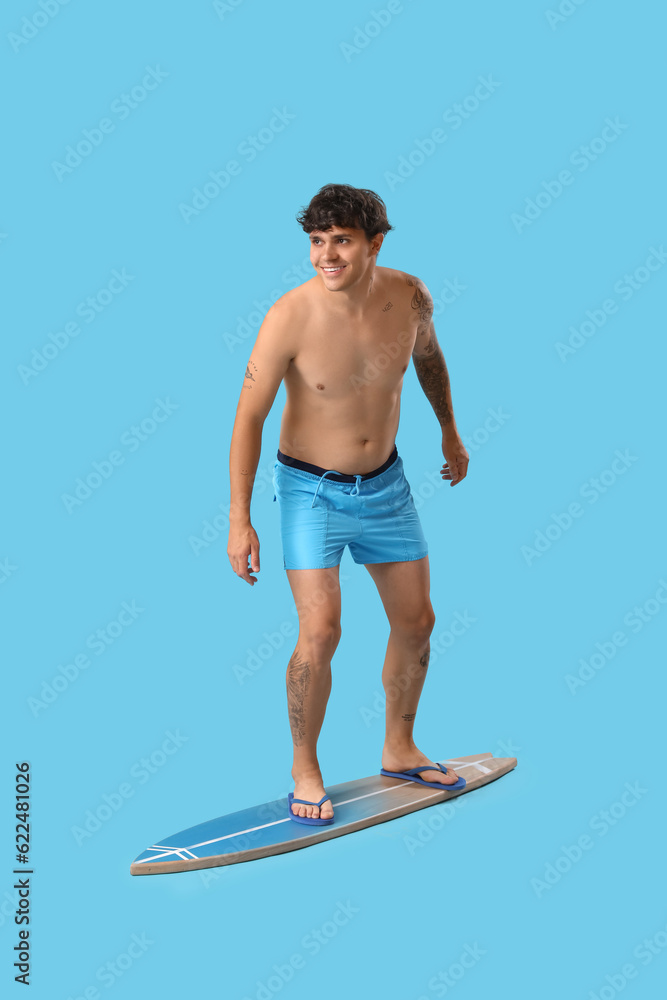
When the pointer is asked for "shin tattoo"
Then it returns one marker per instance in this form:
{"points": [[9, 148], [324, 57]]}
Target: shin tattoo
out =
{"points": [[298, 682]]}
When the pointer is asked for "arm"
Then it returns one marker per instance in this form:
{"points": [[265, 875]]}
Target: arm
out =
{"points": [[268, 362], [433, 377]]}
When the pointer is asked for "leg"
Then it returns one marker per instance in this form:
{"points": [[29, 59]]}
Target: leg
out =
{"points": [[404, 590], [316, 594]]}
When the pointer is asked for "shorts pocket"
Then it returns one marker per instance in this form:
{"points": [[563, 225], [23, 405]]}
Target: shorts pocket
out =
{"points": [[291, 491]]}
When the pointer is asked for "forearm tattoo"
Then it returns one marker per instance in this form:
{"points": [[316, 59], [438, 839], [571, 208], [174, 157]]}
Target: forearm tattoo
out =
{"points": [[429, 359], [409, 716], [424, 658], [434, 380], [298, 683]]}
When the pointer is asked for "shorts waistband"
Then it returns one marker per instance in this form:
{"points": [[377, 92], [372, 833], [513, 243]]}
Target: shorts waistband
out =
{"points": [[337, 477]]}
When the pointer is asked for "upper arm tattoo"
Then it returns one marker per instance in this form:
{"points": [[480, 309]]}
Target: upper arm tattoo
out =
{"points": [[250, 371], [423, 304]]}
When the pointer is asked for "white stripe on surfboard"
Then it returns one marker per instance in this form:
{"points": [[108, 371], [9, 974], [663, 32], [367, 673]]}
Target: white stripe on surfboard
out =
{"points": [[165, 850], [264, 826]]}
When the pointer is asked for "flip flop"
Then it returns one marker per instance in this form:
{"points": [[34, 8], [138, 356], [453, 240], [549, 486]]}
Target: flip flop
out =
{"points": [[308, 820], [409, 776]]}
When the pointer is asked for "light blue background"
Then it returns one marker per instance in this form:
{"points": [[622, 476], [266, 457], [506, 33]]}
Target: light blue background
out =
{"points": [[167, 336]]}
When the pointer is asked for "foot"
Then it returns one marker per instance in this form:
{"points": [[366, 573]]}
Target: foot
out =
{"points": [[406, 760], [311, 788]]}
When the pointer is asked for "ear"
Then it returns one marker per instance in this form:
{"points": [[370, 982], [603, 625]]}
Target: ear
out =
{"points": [[376, 243]]}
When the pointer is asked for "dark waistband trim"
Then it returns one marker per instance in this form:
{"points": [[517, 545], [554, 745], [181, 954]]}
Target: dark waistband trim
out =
{"points": [[337, 477]]}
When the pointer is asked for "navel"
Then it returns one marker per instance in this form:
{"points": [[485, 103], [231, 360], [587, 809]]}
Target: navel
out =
{"points": [[320, 386]]}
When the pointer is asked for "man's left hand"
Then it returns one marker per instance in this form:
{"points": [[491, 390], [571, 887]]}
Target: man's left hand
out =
{"points": [[456, 458]]}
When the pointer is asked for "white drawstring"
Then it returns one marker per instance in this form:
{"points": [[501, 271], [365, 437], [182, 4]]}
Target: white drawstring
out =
{"points": [[353, 492], [320, 483]]}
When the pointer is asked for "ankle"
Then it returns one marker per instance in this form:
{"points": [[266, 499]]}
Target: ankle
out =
{"points": [[399, 745], [306, 772]]}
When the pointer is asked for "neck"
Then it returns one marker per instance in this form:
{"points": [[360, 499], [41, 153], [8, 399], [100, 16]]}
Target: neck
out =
{"points": [[356, 298]]}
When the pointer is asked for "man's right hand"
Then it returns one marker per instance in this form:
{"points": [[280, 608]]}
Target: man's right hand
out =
{"points": [[243, 543]]}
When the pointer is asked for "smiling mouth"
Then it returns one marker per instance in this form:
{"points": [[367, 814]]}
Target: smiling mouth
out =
{"points": [[333, 270]]}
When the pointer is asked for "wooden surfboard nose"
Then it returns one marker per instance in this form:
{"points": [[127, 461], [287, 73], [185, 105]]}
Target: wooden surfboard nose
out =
{"points": [[264, 830]]}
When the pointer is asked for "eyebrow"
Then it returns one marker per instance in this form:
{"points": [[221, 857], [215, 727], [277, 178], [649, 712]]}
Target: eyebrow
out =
{"points": [[345, 232]]}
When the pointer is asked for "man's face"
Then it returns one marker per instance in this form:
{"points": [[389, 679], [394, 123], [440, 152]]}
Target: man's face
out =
{"points": [[342, 256]]}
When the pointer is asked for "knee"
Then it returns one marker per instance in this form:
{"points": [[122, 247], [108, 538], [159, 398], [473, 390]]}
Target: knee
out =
{"points": [[417, 628], [424, 624], [321, 638]]}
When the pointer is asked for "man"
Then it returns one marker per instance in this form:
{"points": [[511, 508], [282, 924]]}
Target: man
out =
{"points": [[342, 342]]}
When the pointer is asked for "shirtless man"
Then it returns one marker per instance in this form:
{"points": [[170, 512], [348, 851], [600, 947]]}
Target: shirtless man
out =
{"points": [[342, 342]]}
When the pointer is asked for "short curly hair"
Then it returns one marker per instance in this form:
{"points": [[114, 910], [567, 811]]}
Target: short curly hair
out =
{"points": [[346, 207]]}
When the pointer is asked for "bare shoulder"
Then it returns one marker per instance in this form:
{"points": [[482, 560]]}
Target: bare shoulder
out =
{"points": [[288, 303], [283, 320], [417, 288], [420, 301], [394, 280]]}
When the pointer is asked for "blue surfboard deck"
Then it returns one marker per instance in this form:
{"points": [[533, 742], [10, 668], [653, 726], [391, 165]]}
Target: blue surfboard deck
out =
{"points": [[265, 830]]}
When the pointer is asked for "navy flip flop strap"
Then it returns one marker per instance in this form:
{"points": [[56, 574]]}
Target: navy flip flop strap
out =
{"points": [[427, 767], [305, 802]]}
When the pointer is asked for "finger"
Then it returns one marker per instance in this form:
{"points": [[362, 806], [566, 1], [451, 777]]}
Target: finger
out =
{"points": [[246, 574], [240, 566], [254, 556]]}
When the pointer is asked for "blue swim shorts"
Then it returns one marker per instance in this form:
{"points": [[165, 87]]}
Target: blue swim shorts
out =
{"points": [[322, 511]]}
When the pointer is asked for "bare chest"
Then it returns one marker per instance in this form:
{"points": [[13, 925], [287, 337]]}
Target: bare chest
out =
{"points": [[338, 358]]}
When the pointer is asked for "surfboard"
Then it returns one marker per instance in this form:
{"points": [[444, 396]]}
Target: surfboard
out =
{"points": [[265, 830]]}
